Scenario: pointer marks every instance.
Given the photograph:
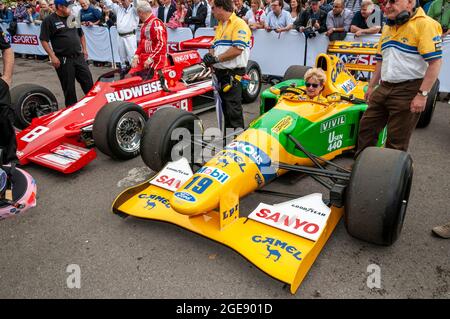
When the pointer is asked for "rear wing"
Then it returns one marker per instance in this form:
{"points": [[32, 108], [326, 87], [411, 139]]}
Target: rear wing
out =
{"points": [[357, 56]]}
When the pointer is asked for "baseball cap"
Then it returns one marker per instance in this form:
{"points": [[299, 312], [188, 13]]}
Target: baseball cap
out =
{"points": [[63, 2]]}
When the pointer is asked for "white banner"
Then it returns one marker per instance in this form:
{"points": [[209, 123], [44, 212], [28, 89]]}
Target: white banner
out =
{"points": [[98, 43], [26, 41], [275, 52], [175, 36], [444, 76], [200, 32]]}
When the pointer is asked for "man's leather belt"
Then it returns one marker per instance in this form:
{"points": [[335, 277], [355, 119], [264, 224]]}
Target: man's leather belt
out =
{"points": [[127, 33]]}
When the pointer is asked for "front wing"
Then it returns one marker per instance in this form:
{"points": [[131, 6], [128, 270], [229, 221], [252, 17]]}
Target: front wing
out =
{"points": [[288, 260]]}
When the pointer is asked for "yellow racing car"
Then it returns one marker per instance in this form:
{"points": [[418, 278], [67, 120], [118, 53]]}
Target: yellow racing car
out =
{"points": [[292, 134]]}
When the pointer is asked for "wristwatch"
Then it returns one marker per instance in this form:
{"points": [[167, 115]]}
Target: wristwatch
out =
{"points": [[422, 93]]}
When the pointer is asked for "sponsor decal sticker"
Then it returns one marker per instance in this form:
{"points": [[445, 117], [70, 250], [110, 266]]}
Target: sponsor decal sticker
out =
{"points": [[275, 248], [282, 124], [185, 196], [134, 92], [348, 86], [173, 175], [332, 123], [306, 216], [215, 173], [152, 199], [258, 156]]}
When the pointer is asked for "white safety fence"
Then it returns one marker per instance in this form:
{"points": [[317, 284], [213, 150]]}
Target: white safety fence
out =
{"points": [[274, 52]]}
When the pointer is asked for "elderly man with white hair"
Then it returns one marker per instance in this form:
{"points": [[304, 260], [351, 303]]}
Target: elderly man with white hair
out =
{"points": [[152, 49], [366, 21], [127, 23]]}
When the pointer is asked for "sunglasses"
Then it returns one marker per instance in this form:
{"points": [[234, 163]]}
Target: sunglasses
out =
{"points": [[314, 85], [392, 1]]}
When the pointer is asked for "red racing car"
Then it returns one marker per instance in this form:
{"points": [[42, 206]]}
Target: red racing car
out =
{"points": [[113, 113]]}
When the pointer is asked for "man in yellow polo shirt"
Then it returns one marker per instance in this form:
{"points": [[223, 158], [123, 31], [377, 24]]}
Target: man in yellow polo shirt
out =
{"points": [[409, 59], [229, 57]]}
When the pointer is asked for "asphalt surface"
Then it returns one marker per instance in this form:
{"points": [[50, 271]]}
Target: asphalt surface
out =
{"points": [[134, 258]]}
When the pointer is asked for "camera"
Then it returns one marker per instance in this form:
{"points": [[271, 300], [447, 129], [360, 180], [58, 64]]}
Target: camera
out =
{"points": [[444, 29], [309, 32]]}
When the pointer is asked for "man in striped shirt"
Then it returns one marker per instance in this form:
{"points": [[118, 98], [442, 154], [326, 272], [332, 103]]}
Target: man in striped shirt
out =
{"points": [[152, 49], [409, 59]]}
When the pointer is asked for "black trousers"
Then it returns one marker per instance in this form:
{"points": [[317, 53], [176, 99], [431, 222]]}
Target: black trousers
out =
{"points": [[72, 68], [7, 134], [231, 100]]}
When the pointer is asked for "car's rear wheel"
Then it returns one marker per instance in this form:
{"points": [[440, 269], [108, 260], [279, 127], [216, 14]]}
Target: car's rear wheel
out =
{"points": [[295, 72], [158, 146], [251, 93], [427, 114], [30, 101], [377, 195], [118, 128]]}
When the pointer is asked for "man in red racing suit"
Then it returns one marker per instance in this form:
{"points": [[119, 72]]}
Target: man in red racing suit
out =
{"points": [[152, 49]]}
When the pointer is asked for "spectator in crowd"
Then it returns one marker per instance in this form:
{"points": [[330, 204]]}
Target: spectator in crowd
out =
{"points": [[196, 15], [51, 5], [32, 15], [89, 15], [295, 9], [7, 134], [178, 16], [325, 6], [353, 5], [255, 17], [278, 19], [440, 11], [267, 6], [239, 8], [44, 12], [151, 54], [68, 51], [20, 14], [213, 22], [166, 10], [229, 58], [409, 59], [315, 81], [6, 15], [127, 23], [108, 18], [360, 21], [312, 18], [155, 7], [338, 21]]}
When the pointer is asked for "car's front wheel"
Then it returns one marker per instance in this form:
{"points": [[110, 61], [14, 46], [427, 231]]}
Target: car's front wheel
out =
{"points": [[30, 101], [168, 135], [378, 194], [118, 128], [251, 93]]}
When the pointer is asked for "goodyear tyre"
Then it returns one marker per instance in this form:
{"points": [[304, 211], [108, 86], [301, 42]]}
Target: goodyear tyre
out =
{"points": [[295, 72], [251, 93], [118, 128], [30, 101], [163, 142], [377, 195], [427, 114]]}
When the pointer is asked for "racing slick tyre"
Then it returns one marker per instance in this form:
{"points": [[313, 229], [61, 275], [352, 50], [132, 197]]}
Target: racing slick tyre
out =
{"points": [[251, 93], [377, 195], [427, 114], [117, 129], [29, 101], [295, 72], [157, 143]]}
